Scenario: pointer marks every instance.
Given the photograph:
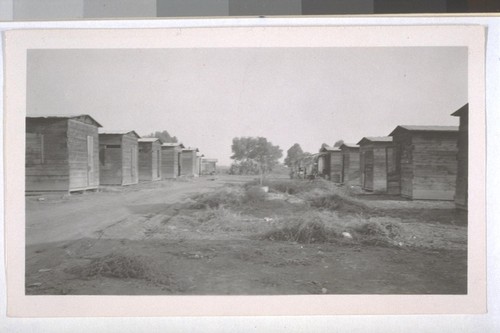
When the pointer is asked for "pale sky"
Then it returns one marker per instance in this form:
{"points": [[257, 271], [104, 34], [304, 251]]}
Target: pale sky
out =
{"points": [[206, 97]]}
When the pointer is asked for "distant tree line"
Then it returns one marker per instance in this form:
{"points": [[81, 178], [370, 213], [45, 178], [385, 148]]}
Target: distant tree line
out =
{"points": [[254, 156], [163, 136]]}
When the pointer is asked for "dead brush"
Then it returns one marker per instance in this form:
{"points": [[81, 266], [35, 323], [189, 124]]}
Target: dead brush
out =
{"points": [[304, 232], [121, 267], [340, 203], [375, 232], [293, 186], [216, 199]]}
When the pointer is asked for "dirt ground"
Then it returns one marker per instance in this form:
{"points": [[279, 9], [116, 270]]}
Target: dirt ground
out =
{"points": [[173, 247]]}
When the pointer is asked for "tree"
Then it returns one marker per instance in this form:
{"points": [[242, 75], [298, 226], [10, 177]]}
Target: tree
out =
{"points": [[163, 136], [256, 150], [293, 155], [338, 143]]}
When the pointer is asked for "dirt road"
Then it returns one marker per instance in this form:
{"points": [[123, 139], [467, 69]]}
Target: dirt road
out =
{"points": [[220, 251], [54, 218]]}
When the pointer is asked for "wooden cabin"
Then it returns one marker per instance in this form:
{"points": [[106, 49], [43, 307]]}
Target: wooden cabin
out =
{"points": [[171, 161], [350, 164], [118, 152], [461, 188], [377, 158], [331, 163], [427, 161], [62, 153], [208, 166], [149, 159], [189, 162], [198, 162]]}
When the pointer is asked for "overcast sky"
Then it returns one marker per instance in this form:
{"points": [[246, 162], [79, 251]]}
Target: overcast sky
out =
{"points": [[206, 97]]}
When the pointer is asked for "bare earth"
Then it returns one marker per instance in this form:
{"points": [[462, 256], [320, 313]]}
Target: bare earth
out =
{"points": [[64, 232]]}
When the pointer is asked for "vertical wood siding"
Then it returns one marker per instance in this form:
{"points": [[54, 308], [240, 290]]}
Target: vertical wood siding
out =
{"points": [[170, 162], [130, 165], [188, 160], [47, 159], [149, 161], [83, 147], [350, 166], [110, 157]]}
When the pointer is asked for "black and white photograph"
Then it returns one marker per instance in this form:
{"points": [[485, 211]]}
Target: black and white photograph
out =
{"points": [[247, 170]]}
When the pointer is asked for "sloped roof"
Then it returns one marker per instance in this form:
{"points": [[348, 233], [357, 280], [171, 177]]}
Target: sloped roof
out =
{"points": [[424, 129], [367, 139], [62, 116], [209, 160], [327, 148], [464, 110], [349, 145], [190, 149], [150, 140], [117, 132], [173, 144]]}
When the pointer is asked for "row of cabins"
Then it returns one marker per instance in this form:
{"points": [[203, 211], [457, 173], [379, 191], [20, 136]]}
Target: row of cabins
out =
{"points": [[73, 153], [416, 162]]}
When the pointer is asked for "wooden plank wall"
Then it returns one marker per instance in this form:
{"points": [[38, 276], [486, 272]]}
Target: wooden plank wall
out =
{"points": [[434, 165], [188, 160], [374, 169], [83, 163], [50, 173], [145, 161], [170, 162], [350, 166], [336, 166], [149, 161], [130, 164], [110, 157], [461, 193]]}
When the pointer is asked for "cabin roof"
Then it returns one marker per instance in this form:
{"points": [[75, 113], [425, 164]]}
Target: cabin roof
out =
{"points": [[173, 144], [327, 148], [424, 129], [209, 160], [150, 140], [464, 110], [190, 149], [118, 132], [367, 139], [349, 145], [61, 116]]}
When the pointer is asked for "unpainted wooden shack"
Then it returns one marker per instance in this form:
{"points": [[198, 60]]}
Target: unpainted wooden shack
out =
{"points": [[149, 159], [62, 153], [118, 157], [350, 164], [208, 166], [189, 162], [198, 162], [428, 161], [376, 159], [332, 160], [461, 190], [171, 163]]}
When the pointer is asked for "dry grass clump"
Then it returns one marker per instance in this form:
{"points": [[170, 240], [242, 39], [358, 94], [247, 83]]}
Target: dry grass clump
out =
{"points": [[253, 194], [305, 232], [216, 199], [326, 226], [341, 203], [119, 266], [293, 186]]}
